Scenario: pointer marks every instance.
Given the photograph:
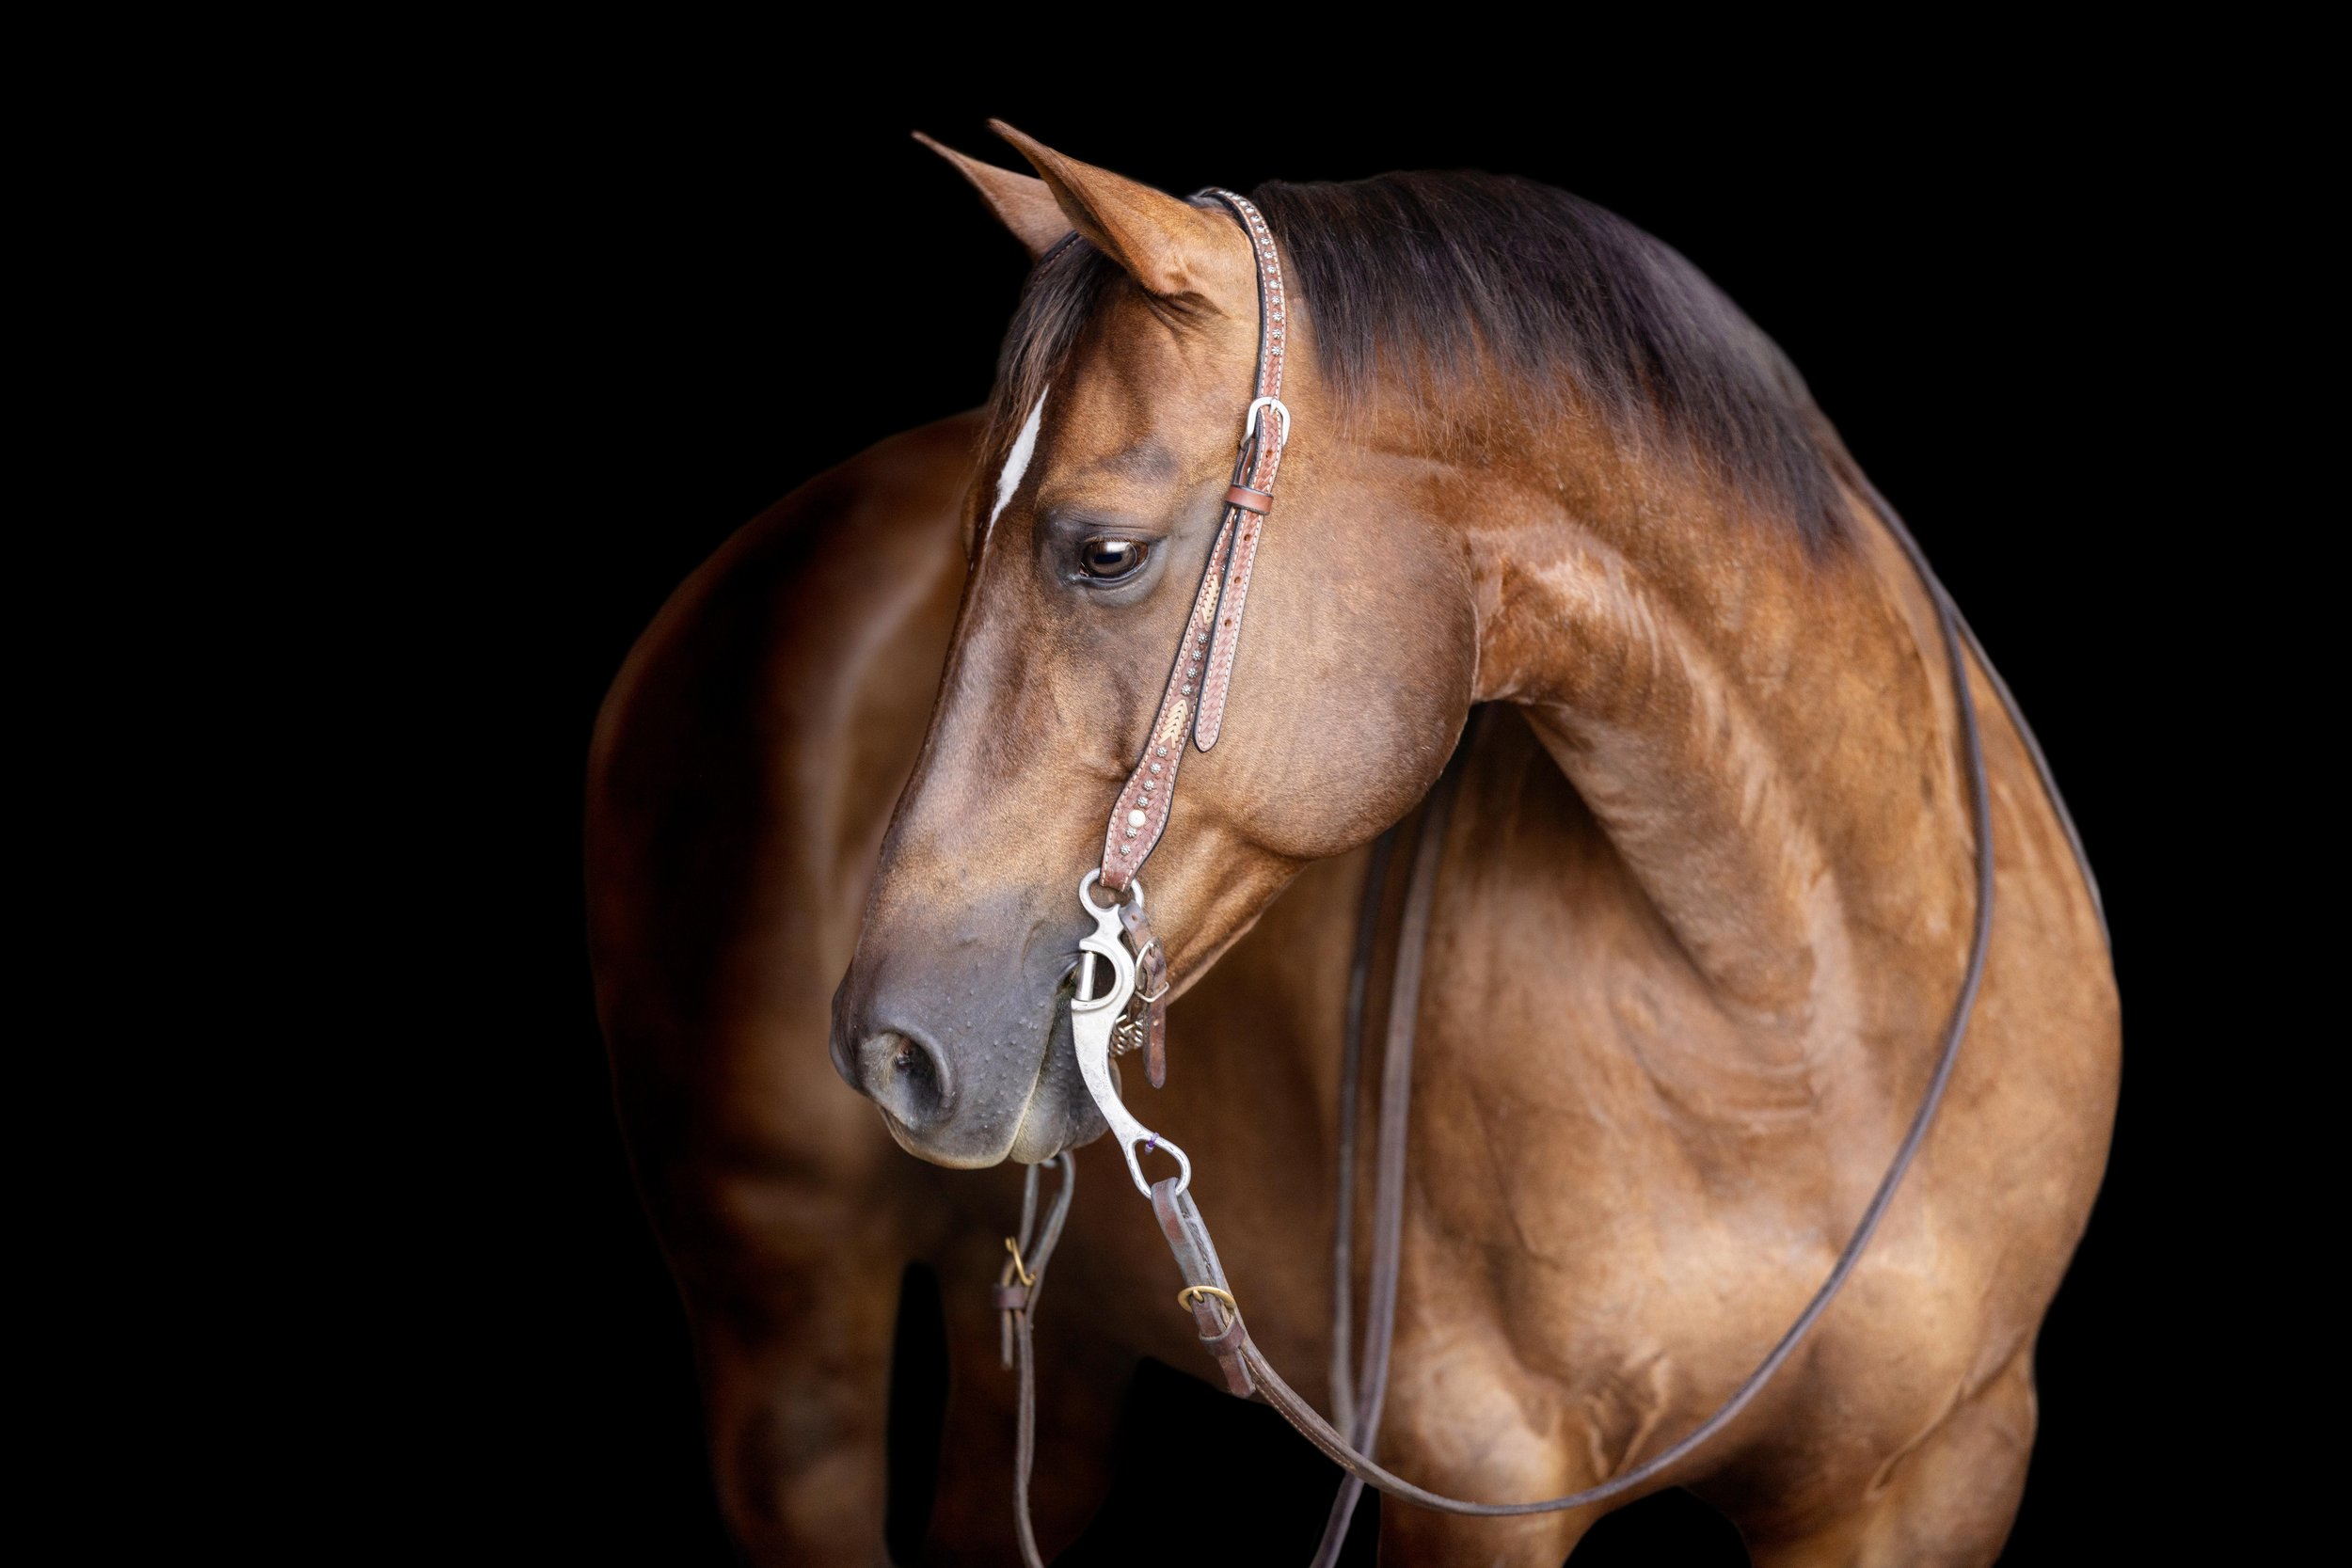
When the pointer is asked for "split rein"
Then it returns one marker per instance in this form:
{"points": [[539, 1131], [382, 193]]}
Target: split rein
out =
{"points": [[1126, 1011]]}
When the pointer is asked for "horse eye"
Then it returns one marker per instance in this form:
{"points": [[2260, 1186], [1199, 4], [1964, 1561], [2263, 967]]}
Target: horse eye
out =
{"points": [[1111, 559]]}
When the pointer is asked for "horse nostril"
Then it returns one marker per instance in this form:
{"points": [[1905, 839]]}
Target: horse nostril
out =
{"points": [[905, 1076]]}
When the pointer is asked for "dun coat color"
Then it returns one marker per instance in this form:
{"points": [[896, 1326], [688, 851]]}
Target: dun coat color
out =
{"points": [[1707, 897]]}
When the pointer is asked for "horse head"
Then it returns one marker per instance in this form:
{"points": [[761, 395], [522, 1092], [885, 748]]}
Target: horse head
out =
{"points": [[1125, 392]]}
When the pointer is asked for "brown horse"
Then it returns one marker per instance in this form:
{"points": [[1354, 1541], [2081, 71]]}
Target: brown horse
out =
{"points": [[1704, 914]]}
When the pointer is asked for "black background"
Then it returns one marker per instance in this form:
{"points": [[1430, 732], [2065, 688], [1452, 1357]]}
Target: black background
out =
{"points": [[644, 311]]}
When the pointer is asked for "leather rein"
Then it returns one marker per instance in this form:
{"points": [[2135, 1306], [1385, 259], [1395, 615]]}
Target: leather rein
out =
{"points": [[1120, 1007]]}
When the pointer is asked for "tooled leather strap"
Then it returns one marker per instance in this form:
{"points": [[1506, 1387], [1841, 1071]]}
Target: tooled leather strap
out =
{"points": [[1252, 495], [1203, 671]]}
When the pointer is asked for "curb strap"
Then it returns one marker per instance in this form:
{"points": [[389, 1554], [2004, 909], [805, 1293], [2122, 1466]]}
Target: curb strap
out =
{"points": [[1203, 671]]}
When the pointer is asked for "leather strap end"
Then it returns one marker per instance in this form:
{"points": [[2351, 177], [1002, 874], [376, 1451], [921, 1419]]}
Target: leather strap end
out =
{"points": [[1226, 1346], [1150, 980], [1219, 1323], [1218, 680]]}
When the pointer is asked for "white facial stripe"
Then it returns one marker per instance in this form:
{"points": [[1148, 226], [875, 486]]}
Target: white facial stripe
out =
{"points": [[1017, 460]]}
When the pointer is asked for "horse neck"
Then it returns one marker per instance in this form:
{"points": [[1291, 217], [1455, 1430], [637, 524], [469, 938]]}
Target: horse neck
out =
{"points": [[1760, 729]]}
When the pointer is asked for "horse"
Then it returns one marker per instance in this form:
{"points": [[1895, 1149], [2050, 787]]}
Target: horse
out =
{"points": [[1705, 897]]}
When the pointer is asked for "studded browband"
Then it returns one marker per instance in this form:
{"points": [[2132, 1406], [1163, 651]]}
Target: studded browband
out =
{"points": [[1203, 671]]}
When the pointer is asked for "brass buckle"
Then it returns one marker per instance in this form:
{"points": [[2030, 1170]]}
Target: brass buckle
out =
{"points": [[1191, 1295]]}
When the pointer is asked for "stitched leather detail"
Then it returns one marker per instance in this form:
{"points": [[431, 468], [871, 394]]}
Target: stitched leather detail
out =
{"points": [[1219, 1325], [1203, 671], [1150, 789], [1212, 719], [1261, 463]]}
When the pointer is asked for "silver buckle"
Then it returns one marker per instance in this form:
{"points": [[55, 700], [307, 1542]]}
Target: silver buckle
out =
{"points": [[1250, 423]]}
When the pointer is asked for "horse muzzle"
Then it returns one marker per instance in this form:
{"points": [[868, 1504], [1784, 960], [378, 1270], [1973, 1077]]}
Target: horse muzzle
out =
{"points": [[966, 1073]]}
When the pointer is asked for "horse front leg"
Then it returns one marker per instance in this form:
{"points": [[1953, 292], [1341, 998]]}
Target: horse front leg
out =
{"points": [[1082, 1379], [792, 1291], [1947, 1501], [1460, 1423]]}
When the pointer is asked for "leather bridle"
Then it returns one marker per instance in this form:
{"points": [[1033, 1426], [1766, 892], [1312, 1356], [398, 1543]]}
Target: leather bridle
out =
{"points": [[1130, 1013]]}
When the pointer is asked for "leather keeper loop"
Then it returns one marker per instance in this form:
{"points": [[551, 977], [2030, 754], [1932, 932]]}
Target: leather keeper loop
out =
{"points": [[1227, 1348], [1228, 1340], [1248, 499], [1010, 1298]]}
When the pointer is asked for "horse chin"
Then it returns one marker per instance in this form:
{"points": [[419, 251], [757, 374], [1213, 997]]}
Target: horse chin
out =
{"points": [[937, 1154], [1046, 1130], [1060, 1113]]}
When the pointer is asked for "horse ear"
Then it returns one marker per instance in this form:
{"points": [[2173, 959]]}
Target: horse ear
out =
{"points": [[1169, 248], [1022, 203]]}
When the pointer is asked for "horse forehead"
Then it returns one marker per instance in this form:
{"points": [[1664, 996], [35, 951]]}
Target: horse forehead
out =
{"points": [[1129, 431], [1141, 460], [1138, 368]]}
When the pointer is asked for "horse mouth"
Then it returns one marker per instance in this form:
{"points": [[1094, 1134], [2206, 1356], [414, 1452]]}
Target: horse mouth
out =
{"points": [[1060, 1112]]}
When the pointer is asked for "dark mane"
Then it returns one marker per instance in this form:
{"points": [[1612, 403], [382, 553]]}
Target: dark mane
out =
{"points": [[1439, 281]]}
